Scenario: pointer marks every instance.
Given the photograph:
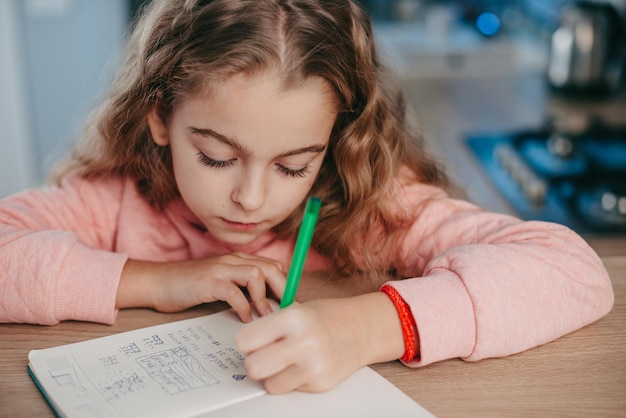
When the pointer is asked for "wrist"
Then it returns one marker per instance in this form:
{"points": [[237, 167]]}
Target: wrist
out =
{"points": [[382, 331], [134, 289]]}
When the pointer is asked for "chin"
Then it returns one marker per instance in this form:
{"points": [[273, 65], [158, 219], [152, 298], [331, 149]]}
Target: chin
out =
{"points": [[236, 239]]}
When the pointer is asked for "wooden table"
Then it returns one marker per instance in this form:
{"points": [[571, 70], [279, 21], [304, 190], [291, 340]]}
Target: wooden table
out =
{"points": [[582, 374]]}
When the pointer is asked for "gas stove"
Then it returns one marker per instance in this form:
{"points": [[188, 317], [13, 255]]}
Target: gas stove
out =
{"points": [[573, 178]]}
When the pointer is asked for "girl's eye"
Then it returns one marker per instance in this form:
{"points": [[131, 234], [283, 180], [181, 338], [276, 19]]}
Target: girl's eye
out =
{"points": [[293, 173], [210, 162]]}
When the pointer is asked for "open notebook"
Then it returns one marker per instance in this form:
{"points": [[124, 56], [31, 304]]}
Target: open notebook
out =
{"points": [[190, 368]]}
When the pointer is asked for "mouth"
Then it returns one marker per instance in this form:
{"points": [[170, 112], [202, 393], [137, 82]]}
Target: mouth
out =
{"points": [[240, 226]]}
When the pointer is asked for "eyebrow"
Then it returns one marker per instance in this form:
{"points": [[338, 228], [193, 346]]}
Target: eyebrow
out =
{"points": [[317, 148]]}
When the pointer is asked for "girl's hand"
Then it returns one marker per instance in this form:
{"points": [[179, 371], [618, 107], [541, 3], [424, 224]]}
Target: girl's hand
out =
{"points": [[314, 346], [175, 286]]}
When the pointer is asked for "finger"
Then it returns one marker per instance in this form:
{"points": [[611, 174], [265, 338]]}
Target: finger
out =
{"points": [[255, 283], [277, 284], [306, 375], [273, 271], [261, 332], [271, 360], [277, 264], [286, 381], [267, 262], [251, 277], [232, 294]]}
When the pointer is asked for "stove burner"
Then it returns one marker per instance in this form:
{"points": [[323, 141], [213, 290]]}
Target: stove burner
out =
{"points": [[576, 179], [560, 146], [553, 157], [604, 206], [608, 153]]}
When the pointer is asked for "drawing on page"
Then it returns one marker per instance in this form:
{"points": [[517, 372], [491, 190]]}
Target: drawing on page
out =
{"points": [[68, 380], [123, 386], [63, 373], [176, 370]]}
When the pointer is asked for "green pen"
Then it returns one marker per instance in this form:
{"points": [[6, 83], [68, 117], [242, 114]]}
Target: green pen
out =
{"points": [[303, 242]]}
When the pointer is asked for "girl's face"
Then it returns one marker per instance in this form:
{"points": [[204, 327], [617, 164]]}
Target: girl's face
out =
{"points": [[246, 155]]}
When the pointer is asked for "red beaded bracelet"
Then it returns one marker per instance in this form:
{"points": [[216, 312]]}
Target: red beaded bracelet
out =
{"points": [[407, 321]]}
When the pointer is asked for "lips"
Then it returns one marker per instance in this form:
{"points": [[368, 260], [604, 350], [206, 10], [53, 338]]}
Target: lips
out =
{"points": [[241, 226]]}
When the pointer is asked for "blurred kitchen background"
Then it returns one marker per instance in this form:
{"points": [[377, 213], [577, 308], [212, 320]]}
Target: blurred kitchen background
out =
{"points": [[523, 101]]}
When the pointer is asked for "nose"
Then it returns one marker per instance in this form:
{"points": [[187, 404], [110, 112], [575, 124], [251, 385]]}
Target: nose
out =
{"points": [[250, 190]]}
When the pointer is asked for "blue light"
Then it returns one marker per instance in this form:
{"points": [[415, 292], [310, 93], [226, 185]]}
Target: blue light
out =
{"points": [[488, 24]]}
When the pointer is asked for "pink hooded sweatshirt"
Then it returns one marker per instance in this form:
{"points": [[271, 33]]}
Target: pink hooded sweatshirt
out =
{"points": [[478, 284]]}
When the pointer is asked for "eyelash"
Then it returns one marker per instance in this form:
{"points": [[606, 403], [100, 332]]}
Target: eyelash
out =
{"points": [[294, 173], [210, 162]]}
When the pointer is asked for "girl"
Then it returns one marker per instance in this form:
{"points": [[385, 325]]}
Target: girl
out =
{"points": [[191, 181]]}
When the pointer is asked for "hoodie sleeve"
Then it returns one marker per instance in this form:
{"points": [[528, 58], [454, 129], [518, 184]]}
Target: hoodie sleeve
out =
{"points": [[56, 253], [483, 284]]}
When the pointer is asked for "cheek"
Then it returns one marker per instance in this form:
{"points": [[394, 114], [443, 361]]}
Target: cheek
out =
{"points": [[197, 183], [302, 194]]}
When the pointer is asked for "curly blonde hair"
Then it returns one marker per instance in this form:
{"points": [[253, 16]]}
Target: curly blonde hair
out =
{"points": [[179, 47]]}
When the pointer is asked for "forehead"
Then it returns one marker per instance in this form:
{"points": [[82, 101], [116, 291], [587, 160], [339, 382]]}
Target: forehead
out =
{"points": [[260, 110], [272, 81]]}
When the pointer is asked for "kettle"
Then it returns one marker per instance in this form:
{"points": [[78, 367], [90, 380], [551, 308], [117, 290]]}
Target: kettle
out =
{"points": [[587, 49]]}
